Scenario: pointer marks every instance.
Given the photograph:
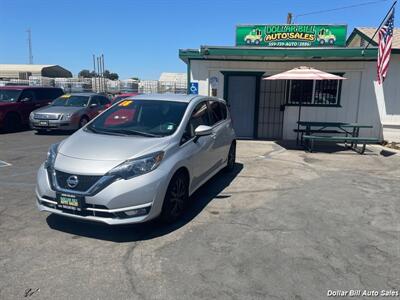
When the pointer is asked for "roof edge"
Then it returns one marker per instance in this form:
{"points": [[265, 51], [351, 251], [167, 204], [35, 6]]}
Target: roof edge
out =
{"points": [[225, 52]]}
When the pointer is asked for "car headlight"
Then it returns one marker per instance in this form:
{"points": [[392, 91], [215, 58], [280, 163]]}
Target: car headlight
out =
{"points": [[138, 166], [31, 115], [67, 117], [51, 156]]}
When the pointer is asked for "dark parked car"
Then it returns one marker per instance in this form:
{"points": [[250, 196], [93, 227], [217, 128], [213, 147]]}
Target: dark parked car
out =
{"points": [[69, 112], [17, 102]]}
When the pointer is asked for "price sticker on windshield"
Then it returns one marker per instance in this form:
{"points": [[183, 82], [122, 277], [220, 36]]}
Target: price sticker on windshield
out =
{"points": [[125, 103]]}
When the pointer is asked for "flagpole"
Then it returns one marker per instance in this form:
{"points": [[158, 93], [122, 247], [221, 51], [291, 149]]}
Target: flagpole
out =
{"points": [[383, 21]]}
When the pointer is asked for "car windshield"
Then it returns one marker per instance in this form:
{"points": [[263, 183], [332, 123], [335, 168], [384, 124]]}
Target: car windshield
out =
{"points": [[71, 100], [151, 118], [9, 95]]}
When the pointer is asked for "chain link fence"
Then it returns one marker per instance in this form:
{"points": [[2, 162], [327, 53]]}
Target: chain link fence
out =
{"points": [[76, 85]]}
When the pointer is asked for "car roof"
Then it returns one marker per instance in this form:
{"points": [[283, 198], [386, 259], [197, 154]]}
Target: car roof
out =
{"points": [[24, 87], [126, 94], [87, 94], [167, 97]]}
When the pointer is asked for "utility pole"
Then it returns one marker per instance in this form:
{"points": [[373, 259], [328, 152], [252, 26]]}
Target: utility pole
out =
{"points": [[94, 70], [30, 46], [105, 79], [289, 18]]}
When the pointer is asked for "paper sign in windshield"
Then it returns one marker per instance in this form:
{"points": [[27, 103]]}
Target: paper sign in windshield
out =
{"points": [[125, 103]]}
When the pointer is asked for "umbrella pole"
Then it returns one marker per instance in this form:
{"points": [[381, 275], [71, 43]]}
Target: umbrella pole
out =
{"points": [[298, 125]]}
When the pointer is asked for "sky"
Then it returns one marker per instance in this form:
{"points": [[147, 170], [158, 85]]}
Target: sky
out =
{"points": [[142, 38]]}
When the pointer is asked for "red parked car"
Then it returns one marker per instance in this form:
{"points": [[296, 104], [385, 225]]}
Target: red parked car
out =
{"points": [[17, 102], [119, 97]]}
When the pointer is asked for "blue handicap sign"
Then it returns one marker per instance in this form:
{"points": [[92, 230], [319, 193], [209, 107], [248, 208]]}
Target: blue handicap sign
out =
{"points": [[194, 88]]}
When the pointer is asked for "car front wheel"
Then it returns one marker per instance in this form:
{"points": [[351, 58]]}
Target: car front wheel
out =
{"points": [[176, 198], [83, 121]]}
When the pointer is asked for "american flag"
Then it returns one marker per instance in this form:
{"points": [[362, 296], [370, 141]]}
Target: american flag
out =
{"points": [[385, 46]]}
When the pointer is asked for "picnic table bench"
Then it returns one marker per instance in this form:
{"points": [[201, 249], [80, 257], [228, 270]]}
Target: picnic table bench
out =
{"points": [[344, 133]]}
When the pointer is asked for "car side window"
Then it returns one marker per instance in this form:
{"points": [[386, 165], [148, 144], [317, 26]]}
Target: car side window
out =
{"points": [[95, 100], [27, 94], [224, 110], [199, 117], [215, 112], [104, 101], [43, 95], [55, 93]]}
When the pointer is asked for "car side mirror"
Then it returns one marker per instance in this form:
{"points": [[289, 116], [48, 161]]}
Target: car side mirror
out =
{"points": [[202, 130]]}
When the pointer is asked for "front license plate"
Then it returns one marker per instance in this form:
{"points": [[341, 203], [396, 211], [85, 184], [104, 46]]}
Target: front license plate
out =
{"points": [[44, 123], [70, 202]]}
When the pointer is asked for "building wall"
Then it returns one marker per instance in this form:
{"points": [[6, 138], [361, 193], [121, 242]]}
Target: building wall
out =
{"points": [[388, 99], [359, 101]]}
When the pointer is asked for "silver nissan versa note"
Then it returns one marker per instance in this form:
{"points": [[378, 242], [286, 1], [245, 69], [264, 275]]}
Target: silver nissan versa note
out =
{"points": [[140, 159]]}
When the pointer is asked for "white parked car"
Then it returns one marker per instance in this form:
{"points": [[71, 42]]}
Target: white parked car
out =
{"points": [[140, 159]]}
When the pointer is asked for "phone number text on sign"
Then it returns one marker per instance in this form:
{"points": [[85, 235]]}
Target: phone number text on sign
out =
{"points": [[289, 44]]}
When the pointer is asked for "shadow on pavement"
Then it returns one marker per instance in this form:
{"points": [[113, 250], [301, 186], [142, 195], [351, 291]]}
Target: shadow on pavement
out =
{"points": [[320, 147], [21, 128], [136, 232], [55, 132]]}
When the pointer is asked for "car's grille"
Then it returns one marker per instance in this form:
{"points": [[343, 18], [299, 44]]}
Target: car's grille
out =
{"points": [[84, 182], [39, 116]]}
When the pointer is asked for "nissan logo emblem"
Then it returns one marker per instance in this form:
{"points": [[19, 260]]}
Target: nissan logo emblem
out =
{"points": [[72, 181]]}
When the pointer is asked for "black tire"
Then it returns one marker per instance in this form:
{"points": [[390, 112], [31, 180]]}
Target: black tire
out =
{"points": [[322, 42], [83, 121], [176, 198], [231, 158], [12, 122], [248, 41], [331, 41], [257, 42], [41, 131]]}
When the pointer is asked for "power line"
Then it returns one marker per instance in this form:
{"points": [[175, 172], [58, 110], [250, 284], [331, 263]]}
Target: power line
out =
{"points": [[338, 8]]}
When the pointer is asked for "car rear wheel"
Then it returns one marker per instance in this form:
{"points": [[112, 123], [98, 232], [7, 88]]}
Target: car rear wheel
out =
{"points": [[12, 122], [176, 198], [83, 121], [230, 166]]}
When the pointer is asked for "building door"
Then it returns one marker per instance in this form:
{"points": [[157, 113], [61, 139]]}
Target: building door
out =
{"points": [[241, 97], [271, 109]]}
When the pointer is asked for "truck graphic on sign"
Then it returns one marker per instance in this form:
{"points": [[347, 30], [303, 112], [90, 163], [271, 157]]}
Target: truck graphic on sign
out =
{"points": [[254, 37], [325, 36]]}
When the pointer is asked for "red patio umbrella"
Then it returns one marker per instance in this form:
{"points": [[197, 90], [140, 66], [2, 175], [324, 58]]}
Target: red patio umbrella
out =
{"points": [[303, 73]]}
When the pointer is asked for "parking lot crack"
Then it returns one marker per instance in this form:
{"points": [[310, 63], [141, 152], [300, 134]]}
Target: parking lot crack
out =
{"points": [[129, 269]]}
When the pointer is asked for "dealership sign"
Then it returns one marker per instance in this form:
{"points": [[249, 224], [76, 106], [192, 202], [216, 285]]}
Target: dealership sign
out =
{"points": [[291, 35]]}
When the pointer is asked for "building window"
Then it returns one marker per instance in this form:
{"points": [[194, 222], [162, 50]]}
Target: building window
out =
{"points": [[317, 92]]}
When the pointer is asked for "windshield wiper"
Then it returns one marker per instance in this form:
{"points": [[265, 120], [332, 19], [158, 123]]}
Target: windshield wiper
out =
{"points": [[95, 130], [135, 132]]}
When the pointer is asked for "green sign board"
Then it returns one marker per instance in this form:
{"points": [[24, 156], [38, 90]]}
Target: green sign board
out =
{"points": [[291, 35]]}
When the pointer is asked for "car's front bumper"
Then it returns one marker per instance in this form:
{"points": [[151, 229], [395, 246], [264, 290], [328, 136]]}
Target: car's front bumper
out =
{"points": [[53, 124], [146, 191]]}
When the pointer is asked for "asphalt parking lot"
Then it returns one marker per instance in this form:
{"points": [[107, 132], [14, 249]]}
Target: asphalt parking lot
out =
{"points": [[286, 225]]}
